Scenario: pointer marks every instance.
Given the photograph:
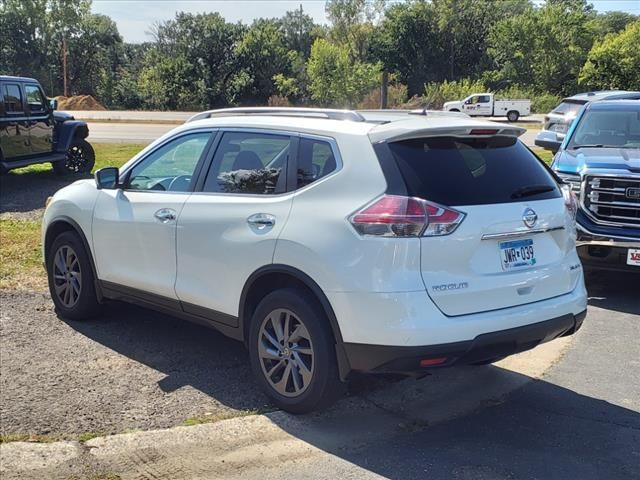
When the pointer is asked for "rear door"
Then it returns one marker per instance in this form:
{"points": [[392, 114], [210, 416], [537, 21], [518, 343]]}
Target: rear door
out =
{"points": [[40, 120], [228, 229], [516, 244]]}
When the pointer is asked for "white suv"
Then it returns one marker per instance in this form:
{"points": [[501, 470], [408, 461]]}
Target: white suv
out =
{"points": [[329, 242]]}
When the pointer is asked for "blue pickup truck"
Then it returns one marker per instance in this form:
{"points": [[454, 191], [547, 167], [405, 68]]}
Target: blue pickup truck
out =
{"points": [[600, 159]]}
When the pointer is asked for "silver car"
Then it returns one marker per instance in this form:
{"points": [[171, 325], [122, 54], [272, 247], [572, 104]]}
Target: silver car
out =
{"points": [[558, 121]]}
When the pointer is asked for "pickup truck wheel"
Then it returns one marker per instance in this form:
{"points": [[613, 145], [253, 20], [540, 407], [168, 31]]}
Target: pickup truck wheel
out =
{"points": [[292, 352], [513, 116], [71, 281], [80, 159]]}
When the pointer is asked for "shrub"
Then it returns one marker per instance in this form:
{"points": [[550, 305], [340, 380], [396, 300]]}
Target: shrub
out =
{"points": [[396, 97]]}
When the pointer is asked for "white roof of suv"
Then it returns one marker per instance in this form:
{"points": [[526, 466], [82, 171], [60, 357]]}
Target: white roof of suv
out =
{"points": [[379, 125]]}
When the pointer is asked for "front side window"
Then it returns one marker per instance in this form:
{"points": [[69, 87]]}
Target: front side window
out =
{"points": [[12, 98], [171, 167], [35, 99], [315, 160], [249, 163]]}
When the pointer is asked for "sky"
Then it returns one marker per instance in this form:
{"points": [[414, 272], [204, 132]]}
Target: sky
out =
{"points": [[135, 17]]}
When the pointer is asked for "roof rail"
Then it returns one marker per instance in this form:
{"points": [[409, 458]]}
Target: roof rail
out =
{"points": [[328, 113]]}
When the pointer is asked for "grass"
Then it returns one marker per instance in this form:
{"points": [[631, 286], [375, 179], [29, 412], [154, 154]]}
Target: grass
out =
{"points": [[25, 437], [545, 155], [217, 417], [20, 258]]}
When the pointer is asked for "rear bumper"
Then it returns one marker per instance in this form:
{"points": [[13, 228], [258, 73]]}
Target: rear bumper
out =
{"points": [[483, 348]]}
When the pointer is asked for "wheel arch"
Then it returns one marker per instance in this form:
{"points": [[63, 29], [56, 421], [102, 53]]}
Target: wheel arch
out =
{"points": [[273, 277], [69, 131], [67, 224]]}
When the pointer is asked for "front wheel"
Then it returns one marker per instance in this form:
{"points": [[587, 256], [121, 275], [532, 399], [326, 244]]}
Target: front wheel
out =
{"points": [[513, 116], [71, 281], [292, 352], [80, 159]]}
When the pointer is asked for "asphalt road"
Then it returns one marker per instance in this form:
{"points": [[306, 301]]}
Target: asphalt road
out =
{"points": [[147, 132]]}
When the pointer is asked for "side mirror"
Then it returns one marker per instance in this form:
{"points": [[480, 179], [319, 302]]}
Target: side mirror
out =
{"points": [[107, 178], [53, 104], [548, 141]]}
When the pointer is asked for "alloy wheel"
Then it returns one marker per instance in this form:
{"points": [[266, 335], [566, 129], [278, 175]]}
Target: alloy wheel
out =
{"points": [[76, 159], [67, 277], [286, 353]]}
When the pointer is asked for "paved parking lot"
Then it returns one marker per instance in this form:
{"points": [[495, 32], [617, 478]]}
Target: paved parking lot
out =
{"points": [[134, 369]]}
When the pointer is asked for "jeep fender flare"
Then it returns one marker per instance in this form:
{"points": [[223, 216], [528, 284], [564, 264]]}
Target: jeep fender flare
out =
{"points": [[69, 131]]}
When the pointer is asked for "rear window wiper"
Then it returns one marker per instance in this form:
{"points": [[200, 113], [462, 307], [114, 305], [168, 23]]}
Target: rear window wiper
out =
{"points": [[529, 190]]}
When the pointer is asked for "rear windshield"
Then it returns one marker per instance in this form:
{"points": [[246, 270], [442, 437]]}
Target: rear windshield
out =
{"points": [[472, 171], [568, 106]]}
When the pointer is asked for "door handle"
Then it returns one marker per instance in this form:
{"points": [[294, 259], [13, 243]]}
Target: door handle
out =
{"points": [[261, 220], [165, 215]]}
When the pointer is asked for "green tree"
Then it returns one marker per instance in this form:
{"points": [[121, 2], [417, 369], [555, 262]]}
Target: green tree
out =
{"points": [[353, 24], [299, 31], [543, 47], [614, 62], [262, 53], [335, 79], [408, 43]]}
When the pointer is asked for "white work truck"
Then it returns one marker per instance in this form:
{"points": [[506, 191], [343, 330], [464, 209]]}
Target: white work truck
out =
{"points": [[485, 105]]}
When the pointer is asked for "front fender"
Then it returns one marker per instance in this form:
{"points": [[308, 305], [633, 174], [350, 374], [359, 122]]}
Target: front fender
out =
{"points": [[67, 132]]}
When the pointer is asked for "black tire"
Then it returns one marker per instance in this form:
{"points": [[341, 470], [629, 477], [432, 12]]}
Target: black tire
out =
{"points": [[80, 159], [86, 303], [454, 110], [513, 116], [324, 386]]}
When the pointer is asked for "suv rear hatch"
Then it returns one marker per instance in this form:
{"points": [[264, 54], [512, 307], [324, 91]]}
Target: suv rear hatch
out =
{"points": [[514, 243]]}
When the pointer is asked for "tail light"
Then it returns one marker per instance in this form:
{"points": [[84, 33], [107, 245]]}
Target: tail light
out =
{"points": [[570, 200], [399, 216]]}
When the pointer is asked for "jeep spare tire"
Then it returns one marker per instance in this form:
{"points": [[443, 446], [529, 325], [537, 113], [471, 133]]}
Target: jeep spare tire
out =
{"points": [[80, 159]]}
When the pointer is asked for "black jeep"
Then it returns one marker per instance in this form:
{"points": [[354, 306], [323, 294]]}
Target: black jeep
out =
{"points": [[31, 131]]}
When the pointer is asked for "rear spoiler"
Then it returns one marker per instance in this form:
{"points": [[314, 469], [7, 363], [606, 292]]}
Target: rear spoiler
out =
{"points": [[406, 130]]}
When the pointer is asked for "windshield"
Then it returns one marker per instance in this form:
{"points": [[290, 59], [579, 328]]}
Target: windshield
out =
{"points": [[608, 128], [568, 107]]}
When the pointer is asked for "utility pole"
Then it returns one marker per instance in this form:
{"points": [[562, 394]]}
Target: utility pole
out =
{"points": [[64, 65], [384, 89]]}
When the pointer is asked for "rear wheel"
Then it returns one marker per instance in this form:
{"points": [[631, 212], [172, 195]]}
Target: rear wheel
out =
{"points": [[292, 352], [513, 116], [71, 281], [80, 159]]}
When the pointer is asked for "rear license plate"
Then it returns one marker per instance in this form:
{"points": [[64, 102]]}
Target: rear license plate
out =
{"points": [[517, 254], [633, 257]]}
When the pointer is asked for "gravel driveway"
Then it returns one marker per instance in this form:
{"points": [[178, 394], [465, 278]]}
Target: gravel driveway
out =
{"points": [[130, 369]]}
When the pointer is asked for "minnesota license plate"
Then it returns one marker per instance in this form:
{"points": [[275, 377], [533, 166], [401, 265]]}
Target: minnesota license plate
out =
{"points": [[517, 254], [633, 257]]}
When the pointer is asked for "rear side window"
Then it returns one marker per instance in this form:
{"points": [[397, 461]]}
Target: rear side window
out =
{"points": [[472, 171], [249, 163], [568, 107], [12, 98], [315, 160]]}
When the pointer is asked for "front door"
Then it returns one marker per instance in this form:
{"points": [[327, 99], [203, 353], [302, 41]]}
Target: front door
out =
{"points": [[229, 229], [40, 120], [134, 228], [14, 125]]}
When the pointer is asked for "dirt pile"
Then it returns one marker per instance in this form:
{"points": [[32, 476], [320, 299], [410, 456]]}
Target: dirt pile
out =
{"points": [[79, 102]]}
